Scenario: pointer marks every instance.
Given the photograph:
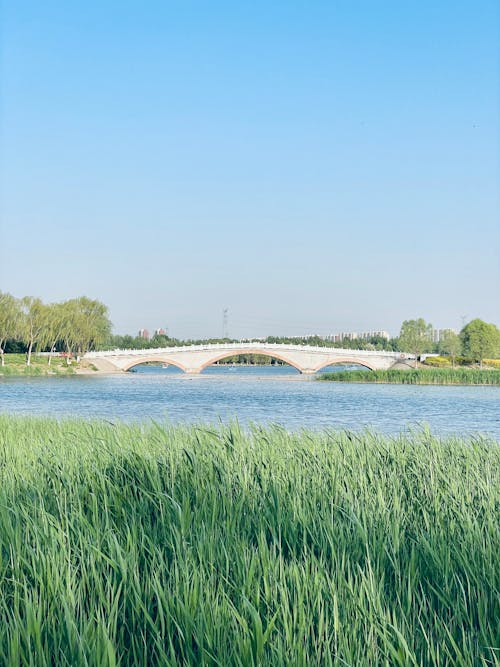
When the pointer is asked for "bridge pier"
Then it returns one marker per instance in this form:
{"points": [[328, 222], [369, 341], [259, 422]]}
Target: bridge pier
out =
{"points": [[307, 371], [192, 371]]}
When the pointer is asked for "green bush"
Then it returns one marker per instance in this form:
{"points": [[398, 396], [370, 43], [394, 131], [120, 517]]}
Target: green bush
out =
{"points": [[438, 362]]}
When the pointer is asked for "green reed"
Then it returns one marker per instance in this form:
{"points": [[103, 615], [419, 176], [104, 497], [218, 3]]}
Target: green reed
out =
{"points": [[186, 545], [473, 376]]}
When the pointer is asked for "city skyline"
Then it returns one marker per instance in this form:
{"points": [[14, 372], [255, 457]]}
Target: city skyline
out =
{"points": [[338, 336]]}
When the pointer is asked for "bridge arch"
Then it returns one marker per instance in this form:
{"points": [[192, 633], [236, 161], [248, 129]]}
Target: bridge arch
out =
{"points": [[264, 353], [343, 361], [195, 358], [145, 360]]}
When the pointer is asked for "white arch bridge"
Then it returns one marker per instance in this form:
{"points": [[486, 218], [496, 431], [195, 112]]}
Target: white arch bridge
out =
{"points": [[194, 358]]}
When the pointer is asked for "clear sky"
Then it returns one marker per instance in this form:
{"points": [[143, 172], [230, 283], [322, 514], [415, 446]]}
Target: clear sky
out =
{"points": [[312, 166]]}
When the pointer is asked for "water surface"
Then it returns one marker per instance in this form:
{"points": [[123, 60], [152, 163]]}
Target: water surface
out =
{"points": [[255, 394]]}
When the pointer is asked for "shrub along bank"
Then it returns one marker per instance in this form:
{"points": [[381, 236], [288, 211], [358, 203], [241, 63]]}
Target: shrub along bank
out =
{"points": [[452, 362]]}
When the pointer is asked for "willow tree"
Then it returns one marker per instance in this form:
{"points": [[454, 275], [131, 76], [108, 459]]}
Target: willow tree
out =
{"points": [[55, 326], [86, 324], [32, 324], [9, 321]]}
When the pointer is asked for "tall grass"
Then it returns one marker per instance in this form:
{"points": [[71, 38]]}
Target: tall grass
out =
{"points": [[473, 376], [160, 545]]}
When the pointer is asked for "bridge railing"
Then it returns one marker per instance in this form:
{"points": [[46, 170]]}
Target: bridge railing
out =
{"points": [[247, 346]]}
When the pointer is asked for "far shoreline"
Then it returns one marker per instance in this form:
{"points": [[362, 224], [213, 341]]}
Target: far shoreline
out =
{"points": [[341, 377]]}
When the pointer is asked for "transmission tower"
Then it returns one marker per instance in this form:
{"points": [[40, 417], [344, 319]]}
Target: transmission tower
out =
{"points": [[225, 323]]}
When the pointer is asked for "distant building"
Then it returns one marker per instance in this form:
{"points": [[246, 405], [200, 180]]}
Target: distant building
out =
{"points": [[354, 335], [144, 333], [161, 332], [439, 334], [380, 334]]}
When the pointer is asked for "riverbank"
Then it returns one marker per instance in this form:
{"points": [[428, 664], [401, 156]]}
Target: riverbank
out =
{"points": [[15, 365], [188, 545], [425, 376]]}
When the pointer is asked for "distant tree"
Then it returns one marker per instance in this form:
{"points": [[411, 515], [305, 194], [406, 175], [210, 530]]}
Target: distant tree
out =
{"points": [[117, 342], [371, 343], [9, 320], [450, 345], [55, 323], [127, 343], [480, 340], [98, 324], [415, 337], [86, 325], [32, 324], [161, 340]]}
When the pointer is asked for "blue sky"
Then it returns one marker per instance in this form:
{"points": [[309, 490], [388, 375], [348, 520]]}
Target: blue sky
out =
{"points": [[313, 167]]}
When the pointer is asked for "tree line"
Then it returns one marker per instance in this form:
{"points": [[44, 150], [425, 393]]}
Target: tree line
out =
{"points": [[81, 324], [478, 340], [73, 326]]}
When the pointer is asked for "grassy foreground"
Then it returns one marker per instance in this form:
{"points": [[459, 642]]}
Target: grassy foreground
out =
{"points": [[153, 545], [464, 376]]}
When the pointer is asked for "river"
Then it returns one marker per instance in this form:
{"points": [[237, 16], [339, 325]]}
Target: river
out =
{"points": [[261, 394]]}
